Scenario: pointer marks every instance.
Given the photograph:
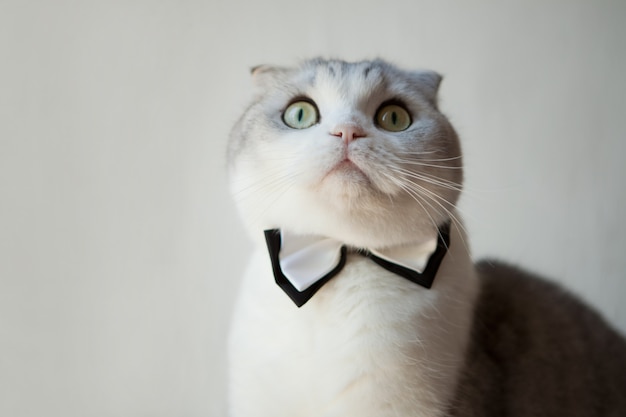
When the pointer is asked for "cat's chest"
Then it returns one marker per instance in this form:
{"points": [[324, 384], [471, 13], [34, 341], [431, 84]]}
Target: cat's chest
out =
{"points": [[361, 331]]}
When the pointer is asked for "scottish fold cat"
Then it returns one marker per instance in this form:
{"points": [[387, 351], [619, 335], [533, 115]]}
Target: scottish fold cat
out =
{"points": [[361, 298]]}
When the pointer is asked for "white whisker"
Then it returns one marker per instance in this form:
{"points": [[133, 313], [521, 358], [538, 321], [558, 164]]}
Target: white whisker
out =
{"points": [[267, 190], [415, 195], [440, 182], [426, 193]]}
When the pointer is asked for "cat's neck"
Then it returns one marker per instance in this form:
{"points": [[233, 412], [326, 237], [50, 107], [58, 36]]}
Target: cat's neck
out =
{"points": [[368, 321]]}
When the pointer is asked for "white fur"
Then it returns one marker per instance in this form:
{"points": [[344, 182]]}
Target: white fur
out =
{"points": [[369, 343]]}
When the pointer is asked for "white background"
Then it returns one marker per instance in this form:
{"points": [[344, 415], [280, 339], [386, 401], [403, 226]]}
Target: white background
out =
{"points": [[120, 251]]}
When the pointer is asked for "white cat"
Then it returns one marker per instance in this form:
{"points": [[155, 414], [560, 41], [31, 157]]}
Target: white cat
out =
{"points": [[353, 154]]}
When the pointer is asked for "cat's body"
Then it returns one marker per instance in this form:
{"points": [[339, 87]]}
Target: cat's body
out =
{"points": [[537, 351], [360, 153]]}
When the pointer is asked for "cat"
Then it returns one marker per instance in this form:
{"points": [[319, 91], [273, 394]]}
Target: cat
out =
{"points": [[356, 158]]}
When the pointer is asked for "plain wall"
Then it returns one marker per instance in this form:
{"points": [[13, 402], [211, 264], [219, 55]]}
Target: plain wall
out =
{"points": [[120, 250]]}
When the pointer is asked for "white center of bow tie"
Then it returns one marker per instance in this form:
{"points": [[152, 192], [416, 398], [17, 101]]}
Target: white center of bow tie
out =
{"points": [[306, 259]]}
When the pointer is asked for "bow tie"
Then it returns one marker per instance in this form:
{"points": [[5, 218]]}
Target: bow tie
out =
{"points": [[303, 264]]}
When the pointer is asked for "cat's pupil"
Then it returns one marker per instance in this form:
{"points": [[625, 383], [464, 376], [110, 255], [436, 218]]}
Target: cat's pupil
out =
{"points": [[394, 117], [300, 114]]}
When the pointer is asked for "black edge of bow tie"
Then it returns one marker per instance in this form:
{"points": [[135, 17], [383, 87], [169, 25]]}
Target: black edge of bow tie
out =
{"points": [[424, 279]]}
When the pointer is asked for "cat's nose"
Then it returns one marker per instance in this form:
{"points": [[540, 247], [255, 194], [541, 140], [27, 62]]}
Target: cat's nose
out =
{"points": [[348, 132]]}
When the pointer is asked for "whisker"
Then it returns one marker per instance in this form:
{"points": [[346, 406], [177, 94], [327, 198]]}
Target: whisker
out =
{"points": [[425, 162], [451, 158], [426, 193], [260, 184], [415, 196], [283, 190], [271, 188], [441, 182]]}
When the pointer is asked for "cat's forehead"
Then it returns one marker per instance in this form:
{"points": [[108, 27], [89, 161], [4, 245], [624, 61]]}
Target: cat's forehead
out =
{"points": [[340, 83], [347, 79], [340, 71], [337, 84]]}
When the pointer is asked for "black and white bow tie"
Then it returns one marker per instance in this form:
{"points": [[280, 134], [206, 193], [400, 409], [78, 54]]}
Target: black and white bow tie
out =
{"points": [[303, 264]]}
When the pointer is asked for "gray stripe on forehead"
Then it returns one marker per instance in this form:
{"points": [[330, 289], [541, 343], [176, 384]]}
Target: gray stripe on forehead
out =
{"points": [[337, 69]]}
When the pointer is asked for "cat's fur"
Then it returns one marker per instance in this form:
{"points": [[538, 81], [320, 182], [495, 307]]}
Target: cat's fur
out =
{"points": [[483, 341]]}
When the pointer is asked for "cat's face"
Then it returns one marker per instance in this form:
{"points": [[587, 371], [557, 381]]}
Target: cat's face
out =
{"points": [[357, 151]]}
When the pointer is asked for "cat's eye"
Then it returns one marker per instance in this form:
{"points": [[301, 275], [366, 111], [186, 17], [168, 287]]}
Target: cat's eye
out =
{"points": [[393, 118], [301, 115]]}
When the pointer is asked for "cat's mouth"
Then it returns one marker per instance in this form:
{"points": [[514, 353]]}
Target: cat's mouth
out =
{"points": [[347, 164], [347, 170]]}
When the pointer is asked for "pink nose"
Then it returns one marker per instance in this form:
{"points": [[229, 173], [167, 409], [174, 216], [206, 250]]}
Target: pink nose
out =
{"points": [[348, 132]]}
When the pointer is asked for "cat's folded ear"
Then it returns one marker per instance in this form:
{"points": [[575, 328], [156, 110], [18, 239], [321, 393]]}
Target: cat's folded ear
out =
{"points": [[262, 73], [259, 69], [429, 82]]}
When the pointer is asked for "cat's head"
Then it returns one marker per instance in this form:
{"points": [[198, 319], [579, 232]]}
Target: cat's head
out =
{"points": [[355, 151]]}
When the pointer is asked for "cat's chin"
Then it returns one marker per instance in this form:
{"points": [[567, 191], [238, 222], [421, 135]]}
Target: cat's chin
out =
{"points": [[346, 182]]}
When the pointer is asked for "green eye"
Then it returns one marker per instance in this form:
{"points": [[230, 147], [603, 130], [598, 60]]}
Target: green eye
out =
{"points": [[393, 118], [300, 115]]}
